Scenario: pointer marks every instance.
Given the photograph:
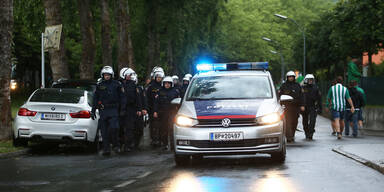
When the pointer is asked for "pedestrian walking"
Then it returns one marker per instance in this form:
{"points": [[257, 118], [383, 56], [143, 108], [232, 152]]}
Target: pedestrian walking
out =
{"points": [[358, 103], [337, 97], [108, 99], [360, 118], [292, 109], [313, 105]]}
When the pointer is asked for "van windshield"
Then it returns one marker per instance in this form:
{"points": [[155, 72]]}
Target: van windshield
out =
{"points": [[229, 87]]}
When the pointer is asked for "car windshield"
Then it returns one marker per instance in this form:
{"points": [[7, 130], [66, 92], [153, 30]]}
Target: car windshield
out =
{"points": [[58, 96], [229, 87]]}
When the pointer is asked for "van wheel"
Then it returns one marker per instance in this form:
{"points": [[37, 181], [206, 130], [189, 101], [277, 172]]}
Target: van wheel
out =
{"points": [[279, 157], [182, 160]]}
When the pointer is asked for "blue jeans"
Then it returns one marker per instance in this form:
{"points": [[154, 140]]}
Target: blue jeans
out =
{"points": [[351, 117]]}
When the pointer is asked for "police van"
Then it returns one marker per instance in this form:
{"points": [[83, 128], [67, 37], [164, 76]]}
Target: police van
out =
{"points": [[229, 108]]}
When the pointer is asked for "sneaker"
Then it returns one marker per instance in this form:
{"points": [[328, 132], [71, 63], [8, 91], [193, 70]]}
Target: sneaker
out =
{"points": [[334, 133], [338, 135]]}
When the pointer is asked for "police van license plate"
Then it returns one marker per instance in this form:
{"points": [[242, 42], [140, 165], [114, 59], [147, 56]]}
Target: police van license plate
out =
{"points": [[226, 136], [53, 116]]}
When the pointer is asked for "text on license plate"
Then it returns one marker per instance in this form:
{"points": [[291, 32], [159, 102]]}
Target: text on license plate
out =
{"points": [[52, 116], [226, 136]]}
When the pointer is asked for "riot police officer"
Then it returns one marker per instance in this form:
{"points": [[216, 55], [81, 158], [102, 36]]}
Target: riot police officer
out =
{"points": [[292, 109], [152, 90], [176, 84], [108, 99], [163, 109], [139, 121], [186, 80], [313, 105], [133, 108]]}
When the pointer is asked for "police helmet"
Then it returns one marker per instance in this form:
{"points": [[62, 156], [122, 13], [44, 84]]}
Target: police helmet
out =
{"points": [[128, 72], [159, 74], [186, 79], [189, 76], [307, 77], [134, 78], [167, 79], [107, 70], [122, 72], [175, 77], [290, 73]]}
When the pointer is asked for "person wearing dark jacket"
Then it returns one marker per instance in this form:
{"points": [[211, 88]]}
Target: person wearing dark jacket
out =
{"points": [[139, 122], [163, 109], [153, 90], [133, 108], [313, 105], [292, 109], [108, 99], [358, 103]]}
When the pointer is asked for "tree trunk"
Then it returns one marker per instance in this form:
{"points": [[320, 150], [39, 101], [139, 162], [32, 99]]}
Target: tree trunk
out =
{"points": [[131, 55], [57, 58], [151, 20], [122, 35], [6, 27], [106, 34], [170, 62], [88, 40]]}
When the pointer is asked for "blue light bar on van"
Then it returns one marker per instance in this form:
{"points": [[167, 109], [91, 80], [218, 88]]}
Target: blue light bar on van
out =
{"points": [[206, 67]]}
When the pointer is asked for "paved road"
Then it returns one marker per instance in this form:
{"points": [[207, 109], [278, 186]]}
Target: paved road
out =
{"points": [[310, 166]]}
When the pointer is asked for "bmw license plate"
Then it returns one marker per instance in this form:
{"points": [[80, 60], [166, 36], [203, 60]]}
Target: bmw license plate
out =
{"points": [[53, 116], [226, 136]]}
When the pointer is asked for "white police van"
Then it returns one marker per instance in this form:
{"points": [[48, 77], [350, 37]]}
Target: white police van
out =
{"points": [[229, 108]]}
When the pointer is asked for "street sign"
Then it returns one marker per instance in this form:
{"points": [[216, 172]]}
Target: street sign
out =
{"points": [[52, 37]]}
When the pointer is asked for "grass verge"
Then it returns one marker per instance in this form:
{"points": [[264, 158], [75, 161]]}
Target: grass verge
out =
{"points": [[7, 147]]}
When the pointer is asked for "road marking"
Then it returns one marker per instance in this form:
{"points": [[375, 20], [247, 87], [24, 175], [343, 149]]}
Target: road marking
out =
{"points": [[144, 175], [106, 190], [125, 183]]}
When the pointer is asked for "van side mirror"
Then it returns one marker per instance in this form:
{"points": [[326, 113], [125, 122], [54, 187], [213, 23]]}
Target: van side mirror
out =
{"points": [[176, 101]]}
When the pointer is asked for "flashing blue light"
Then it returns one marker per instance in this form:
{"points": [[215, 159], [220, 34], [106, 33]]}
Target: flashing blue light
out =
{"points": [[206, 67]]}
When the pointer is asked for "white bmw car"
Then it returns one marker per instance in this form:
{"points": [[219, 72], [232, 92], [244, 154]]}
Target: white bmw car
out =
{"points": [[55, 114]]}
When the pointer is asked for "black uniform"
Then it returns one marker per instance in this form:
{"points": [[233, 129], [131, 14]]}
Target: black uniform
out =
{"points": [[133, 105], [139, 121], [154, 128], [313, 105], [109, 98], [183, 89], [292, 109], [165, 111]]}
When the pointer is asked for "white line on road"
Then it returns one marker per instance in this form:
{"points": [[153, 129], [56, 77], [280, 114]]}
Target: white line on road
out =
{"points": [[125, 183], [106, 190], [144, 175]]}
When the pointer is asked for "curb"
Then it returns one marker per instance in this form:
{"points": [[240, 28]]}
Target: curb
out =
{"points": [[14, 154], [361, 160]]}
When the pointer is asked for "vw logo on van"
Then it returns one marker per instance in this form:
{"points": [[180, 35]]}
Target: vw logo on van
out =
{"points": [[226, 122]]}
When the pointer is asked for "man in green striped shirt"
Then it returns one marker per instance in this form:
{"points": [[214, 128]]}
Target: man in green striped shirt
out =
{"points": [[337, 97]]}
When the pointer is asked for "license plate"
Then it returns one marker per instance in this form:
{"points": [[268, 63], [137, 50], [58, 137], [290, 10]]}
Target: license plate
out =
{"points": [[53, 116], [226, 136]]}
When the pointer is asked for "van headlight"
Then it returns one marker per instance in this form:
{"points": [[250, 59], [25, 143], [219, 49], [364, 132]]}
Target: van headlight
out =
{"points": [[185, 121], [269, 119]]}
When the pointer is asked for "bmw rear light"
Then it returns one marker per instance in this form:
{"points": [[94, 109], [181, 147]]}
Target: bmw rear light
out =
{"points": [[26, 112], [81, 114]]}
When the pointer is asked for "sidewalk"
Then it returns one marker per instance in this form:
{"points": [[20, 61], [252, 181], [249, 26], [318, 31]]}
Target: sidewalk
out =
{"points": [[371, 155]]}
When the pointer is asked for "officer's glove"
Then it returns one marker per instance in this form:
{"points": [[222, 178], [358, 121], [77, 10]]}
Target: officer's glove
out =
{"points": [[93, 115]]}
